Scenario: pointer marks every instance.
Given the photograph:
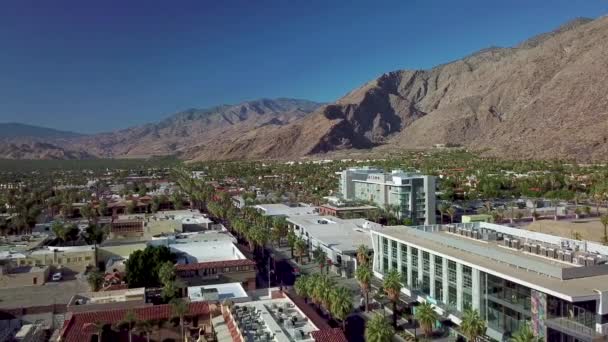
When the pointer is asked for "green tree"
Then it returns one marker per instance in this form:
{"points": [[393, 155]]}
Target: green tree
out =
{"points": [[95, 279], [301, 286], [525, 334], [291, 240], [604, 221], [472, 325], [451, 211], [427, 317], [142, 267], [128, 322], [341, 304], [364, 277], [179, 308], [378, 329], [167, 277], [145, 327], [320, 257], [301, 248], [392, 288], [362, 255]]}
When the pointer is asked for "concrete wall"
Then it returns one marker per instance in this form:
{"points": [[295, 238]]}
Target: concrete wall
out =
{"points": [[73, 260]]}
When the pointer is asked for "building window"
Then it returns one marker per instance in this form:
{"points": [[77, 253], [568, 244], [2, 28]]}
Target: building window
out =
{"points": [[438, 267], [414, 258], [438, 290], [451, 272], [452, 295], [426, 262], [385, 246], [394, 249], [87, 258]]}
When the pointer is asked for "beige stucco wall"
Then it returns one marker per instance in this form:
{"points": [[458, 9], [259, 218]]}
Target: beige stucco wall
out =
{"points": [[16, 280]]}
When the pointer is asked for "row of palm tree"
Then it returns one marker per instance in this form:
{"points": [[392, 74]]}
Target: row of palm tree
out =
{"points": [[322, 290]]}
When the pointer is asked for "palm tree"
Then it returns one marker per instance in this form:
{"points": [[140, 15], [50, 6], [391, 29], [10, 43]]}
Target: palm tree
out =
{"points": [[443, 207], [95, 279], [323, 286], [291, 240], [301, 286], [427, 317], [604, 220], [377, 329], [472, 324], [525, 334], [129, 322], [320, 257], [301, 248], [180, 309], [362, 255], [451, 211], [99, 328], [145, 327], [392, 288], [364, 277], [341, 304]]}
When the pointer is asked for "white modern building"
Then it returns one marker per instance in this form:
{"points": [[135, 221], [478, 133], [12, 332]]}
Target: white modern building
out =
{"points": [[338, 238], [511, 276], [408, 195]]}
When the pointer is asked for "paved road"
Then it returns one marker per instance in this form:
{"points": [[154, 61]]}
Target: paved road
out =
{"points": [[47, 294]]}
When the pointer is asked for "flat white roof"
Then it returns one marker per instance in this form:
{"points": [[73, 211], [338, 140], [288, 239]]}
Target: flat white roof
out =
{"points": [[225, 291], [279, 209], [200, 251], [335, 233]]}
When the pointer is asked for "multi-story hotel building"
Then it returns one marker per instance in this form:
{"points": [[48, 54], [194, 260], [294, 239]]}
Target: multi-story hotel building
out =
{"points": [[511, 276], [411, 195]]}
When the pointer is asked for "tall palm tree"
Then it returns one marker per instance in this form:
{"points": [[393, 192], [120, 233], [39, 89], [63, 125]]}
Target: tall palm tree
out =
{"points": [[427, 317], [145, 327], [451, 211], [320, 257], [392, 288], [472, 324], [341, 304], [128, 322], [99, 328], [180, 309], [604, 220], [301, 248], [362, 255], [291, 240], [443, 207], [301, 286], [525, 334], [364, 277], [377, 329]]}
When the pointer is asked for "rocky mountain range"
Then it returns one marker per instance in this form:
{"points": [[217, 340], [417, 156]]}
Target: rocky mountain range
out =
{"points": [[544, 98]]}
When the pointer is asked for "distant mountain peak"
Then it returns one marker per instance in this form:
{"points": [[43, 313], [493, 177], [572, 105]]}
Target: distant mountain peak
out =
{"points": [[19, 130]]}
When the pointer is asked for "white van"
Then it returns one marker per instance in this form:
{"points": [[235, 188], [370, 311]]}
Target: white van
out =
{"points": [[57, 276]]}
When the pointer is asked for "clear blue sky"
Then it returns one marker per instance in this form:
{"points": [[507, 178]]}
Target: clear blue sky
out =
{"points": [[93, 66]]}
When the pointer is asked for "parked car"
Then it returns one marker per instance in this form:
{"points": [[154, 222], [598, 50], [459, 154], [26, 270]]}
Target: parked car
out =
{"points": [[57, 276]]}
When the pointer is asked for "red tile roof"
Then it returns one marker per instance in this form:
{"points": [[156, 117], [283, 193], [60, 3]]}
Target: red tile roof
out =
{"points": [[78, 327], [329, 335], [214, 264]]}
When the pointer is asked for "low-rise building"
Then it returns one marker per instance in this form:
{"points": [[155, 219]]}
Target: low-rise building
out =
{"points": [[69, 258], [338, 238], [279, 209], [20, 276], [108, 300]]}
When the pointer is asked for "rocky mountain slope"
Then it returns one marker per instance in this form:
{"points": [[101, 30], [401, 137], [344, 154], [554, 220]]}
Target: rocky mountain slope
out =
{"points": [[195, 127], [18, 130], [544, 98], [39, 150]]}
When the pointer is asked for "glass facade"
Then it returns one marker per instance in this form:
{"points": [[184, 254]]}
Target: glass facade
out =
{"points": [[505, 305]]}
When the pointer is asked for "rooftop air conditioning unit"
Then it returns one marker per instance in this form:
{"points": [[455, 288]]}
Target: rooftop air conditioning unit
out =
{"points": [[527, 247], [551, 253], [515, 244], [543, 251], [506, 242], [567, 256], [590, 261]]}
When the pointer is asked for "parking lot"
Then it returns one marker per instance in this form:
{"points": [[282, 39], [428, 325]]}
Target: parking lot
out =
{"points": [[50, 293]]}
